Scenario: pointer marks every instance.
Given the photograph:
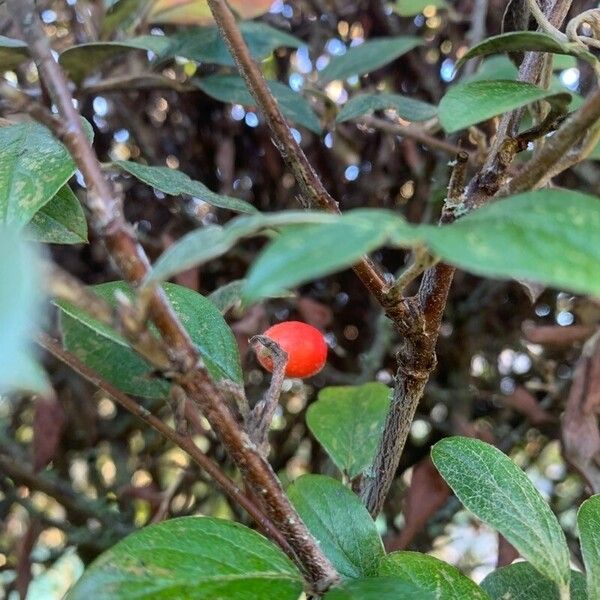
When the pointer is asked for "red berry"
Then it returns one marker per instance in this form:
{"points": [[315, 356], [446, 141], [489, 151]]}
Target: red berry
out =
{"points": [[304, 345]]}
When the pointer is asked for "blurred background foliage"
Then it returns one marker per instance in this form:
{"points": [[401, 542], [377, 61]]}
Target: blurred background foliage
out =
{"points": [[77, 473]]}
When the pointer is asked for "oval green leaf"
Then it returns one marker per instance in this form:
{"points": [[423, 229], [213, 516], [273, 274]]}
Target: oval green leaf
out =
{"points": [[492, 487], [469, 103], [517, 41], [380, 588], [340, 523], [348, 421], [520, 581], [232, 88], [60, 221], [370, 55], [432, 575], [588, 522], [548, 236], [407, 108], [175, 183], [190, 557], [105, 351]]}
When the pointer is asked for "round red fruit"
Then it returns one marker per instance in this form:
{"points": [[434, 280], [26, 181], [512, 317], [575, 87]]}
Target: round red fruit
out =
{"points": [[304, 345]]}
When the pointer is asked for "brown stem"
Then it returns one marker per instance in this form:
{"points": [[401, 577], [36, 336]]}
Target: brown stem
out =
{"points": [[129, 256], [311, 186], [182, 441]]}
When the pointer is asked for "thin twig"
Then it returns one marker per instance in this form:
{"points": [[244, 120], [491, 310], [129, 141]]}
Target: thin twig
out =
{"points": [[182, 441], [262, 414]]}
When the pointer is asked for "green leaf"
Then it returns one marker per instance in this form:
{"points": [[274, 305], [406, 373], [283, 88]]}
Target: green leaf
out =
{"points": [[547, 236], [370, 55], [227, 296], [105, 351], [191, 557], [470, 103], [12, 53], [231, 88], [303, 253], [410, 8], [79, 61], [119, 13], [520, 581], [380, 588], [491, 486], [60, 221], [175, 183], [517, 41], [205, 44], [407, 108], [33, 167], [431, 575], [340, 523], [206, 243], [588, 522], [494, 68], [348, 421], [19, 312]]}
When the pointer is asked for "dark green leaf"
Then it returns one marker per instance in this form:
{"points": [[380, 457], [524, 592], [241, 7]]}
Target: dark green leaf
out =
{"points": [[547, 236], [520, 581], [410, 8], [380, 588], [469, 103], [407, 108], [33, 167], [340, 523], [80, 61], [191, 557], [206, 243], [491, 486], [370, 55], [588, 522], [12, 53], [231, 88], [348, 421], [432, 575], [105, 351], [300, 254], [175, 183], [19, 312], [205, 44], [60, 221], [517, 41]]}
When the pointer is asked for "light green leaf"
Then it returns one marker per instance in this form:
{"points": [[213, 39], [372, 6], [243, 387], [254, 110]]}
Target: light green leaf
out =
{"points": [[370, 55], [206, 243], [491, 486], [303, 253], [547, 236], [175, 183], [410, 8], [588, 522], [227, 296], [79, 61], [205, 44], [518, 41], [494, 68], [191, 557], [60, 221], [380, 588], [105, 351], [407, 108], [432, 575], [340, 523], [33, 167], [231, 88], [19, 313], [12, 53], [520, 581], [348, 421], [469, 103]]}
